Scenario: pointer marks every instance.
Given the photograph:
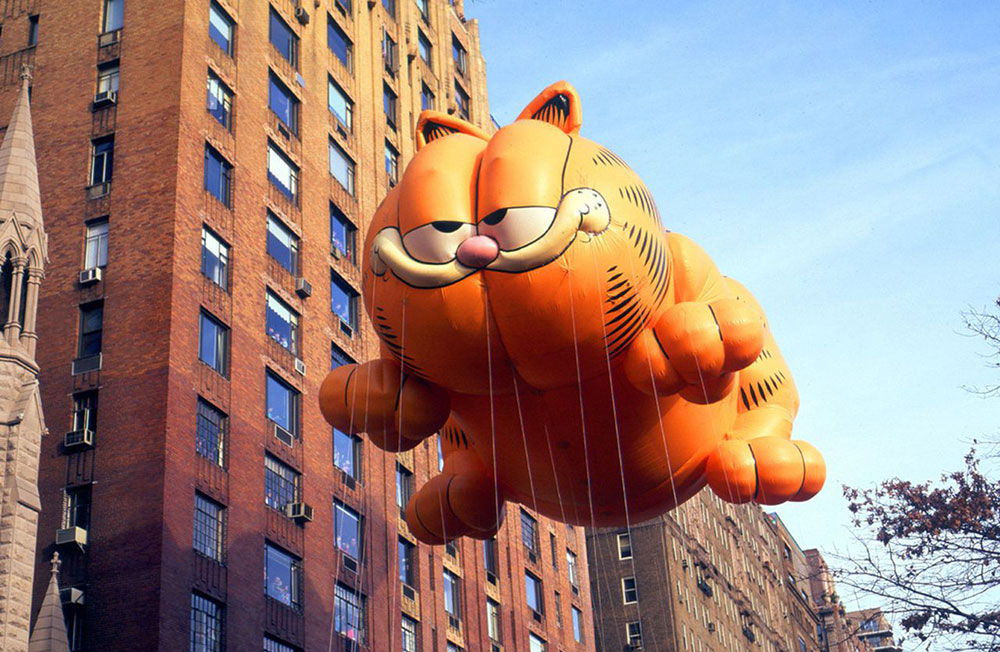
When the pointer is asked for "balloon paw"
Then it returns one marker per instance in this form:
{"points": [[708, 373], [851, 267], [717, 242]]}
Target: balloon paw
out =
{"points": [[450, 506], [768, 470]]}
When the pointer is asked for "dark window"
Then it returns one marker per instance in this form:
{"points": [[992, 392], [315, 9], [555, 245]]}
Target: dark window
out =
{"points": [[462, 101], [389, 55], [340, 105], [282, 324], [347, 453], [284, 576], [274, 645], [404, 487], [218, 175], [391, 164], [345, 7], [342, 233], [32, 30], [103, 160], [281, 484], [529, 532], [220, 101], [283, 104], [552, 548], [85, 411], [213, 347], [113, 15], [284, 39], [452, 595], [107, 77], [625, 546], [339, 44], [342, 167], [490, 556], [91, 329], [533, 592], [633, 633], [6, 286], [347, 530], [208, 524], [206, 624], [338, 358], [76, 507], [220, 28], [282, 172], [74, 626], [426, 98], [214, 259], [282, 404], [96, 245], [558, 609], [344, 301], [282, 244], [630, 594], [407, 563], [210, 433], [348, 615], [424, 47], [459, 55], [389, 106]]}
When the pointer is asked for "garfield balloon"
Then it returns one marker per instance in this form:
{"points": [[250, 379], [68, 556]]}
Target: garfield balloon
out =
{"points": [[573, 355]]}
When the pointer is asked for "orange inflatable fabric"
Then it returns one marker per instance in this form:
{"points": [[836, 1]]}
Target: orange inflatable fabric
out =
{"points": [[573, 355]]}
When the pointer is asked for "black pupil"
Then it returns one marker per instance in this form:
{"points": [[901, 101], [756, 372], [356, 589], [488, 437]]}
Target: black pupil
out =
{"points": [[494, 218], [447, 227]]}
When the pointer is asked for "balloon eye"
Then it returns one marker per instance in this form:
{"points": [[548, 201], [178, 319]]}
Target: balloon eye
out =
{"points": [[438, 241], [514, 228], [494, 218], [445, 226]]}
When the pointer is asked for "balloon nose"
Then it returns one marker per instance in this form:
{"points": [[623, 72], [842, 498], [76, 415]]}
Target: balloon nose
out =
{"points": [[478, 251]]}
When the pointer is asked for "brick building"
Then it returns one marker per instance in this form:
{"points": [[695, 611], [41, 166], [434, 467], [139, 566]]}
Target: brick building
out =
{"points": [[839, 633], [874, 629], [208, 168], [725, 573]]}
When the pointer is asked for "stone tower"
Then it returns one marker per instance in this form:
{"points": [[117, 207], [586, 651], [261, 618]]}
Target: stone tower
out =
{"points": [[22, 262]]}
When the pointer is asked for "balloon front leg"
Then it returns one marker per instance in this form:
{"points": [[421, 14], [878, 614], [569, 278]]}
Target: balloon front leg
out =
{"points": [[767, 470], [396, 409]]}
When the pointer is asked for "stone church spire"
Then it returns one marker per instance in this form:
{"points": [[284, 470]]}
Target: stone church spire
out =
{"points": [[22, 262], [49, 634]]}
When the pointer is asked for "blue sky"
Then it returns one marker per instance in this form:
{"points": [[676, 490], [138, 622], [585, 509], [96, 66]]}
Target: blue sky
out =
{"points": [[842, 160]]}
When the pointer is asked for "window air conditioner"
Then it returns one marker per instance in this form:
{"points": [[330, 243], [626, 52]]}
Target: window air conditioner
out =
{"points": [[79, 439], [346, 328], [300, 367], [283, 435], [350, 564], [303, 288], [496, 647], [91, 275], [409, 592], [109, 38], [299, 512], [71, 596], [105, 98], [75, 535]]}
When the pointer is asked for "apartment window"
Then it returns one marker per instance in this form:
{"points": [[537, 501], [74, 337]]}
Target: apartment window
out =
{"points": [[630, 594], [282, 404], [339, 44], [389, 106], [343, 301], [107, 78], [409, 634], [571, 569], [283, 103], [218, 175], [407, 567], [282, 172], [490, 557], [96, 245], [426, 98], [220, 101], [347, 530], [284, 39], [529, 533], [625, 546], [440, 454], [32, 30], [462, 101], [535, 644], [422, 5], [338, 358], [85, 411], [213, 343], [348, 614], [633, 634], [389, 55], [493, 621], [577, 624], [74, 626], [282, 324], [208, 523], [533, 592], [210, 432], [206, 624], [404, 487], [91, 329], [214, 259], [345, 7], [552, 549], [342, 233], [391, 164], [76, 507], [558, 601], [102, 161], [220, 28], [274, 645], [281, 484], [390, 7], [424, 47], [802, 645], [451, 647], [451, 594], [347, 453], [340, 105], [342, 167], [283, 573], [113, 15], [282, 244], [460, 56]]}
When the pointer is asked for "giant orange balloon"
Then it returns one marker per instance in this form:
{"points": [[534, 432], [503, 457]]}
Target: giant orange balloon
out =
{"points": [[574, 356]]}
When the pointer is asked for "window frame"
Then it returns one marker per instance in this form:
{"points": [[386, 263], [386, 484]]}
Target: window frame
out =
{"points": [[425, 48], [451, 590], [425, 93], [229, 47], [390, 106], [224, 96], [278, 478], [272, 303], [211, 528], [339, 508], [355, 455], [108, 77], [283, 558], [631, 636], [99, 239], [407, 562], [221, 342], [102, 160], [626, 591], [107, 18], [404, 488], [293, 406], [529, 533], [350, 234], [333, 29], [462, 101], [275, 235], [460, 56], [391, 164], [221, 277], [211, 623], [224, 190], [88, 333], [292, 57], [533, 581], [203, 418], [274, 83], [352, 301], [346, 600], [277, 156], [347, 120], [349, 164], [625, 537]]}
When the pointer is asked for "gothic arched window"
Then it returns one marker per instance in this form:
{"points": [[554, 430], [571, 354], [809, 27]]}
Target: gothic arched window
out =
{"points": [[6, 280]]}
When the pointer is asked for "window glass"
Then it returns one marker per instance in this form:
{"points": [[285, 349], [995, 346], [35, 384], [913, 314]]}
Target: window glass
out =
{"points": [[340, 105], [490, 556], [571, 567], [272, 645], [389, 102], [213, 347], [389, 56], [281, 484], [282, 173], [535, 644], [342, 233], [282, 404], [113, 14], [390, 7], [624, 546], [459, 55], [282, 244], [85, 411], [338, 43], [210, 432], [633, 634], [409, 634], [348, 614], [422, 5], [493, 620], [282, 323], [96, 249], [206, 624], [533, 591], [220, 101], [220, 28], [577, 625], [107, 78], [346, 453], [343, 300], [342, 167], [218, 173], [32, 30], [76, 507], [283, 103], [629, 592], [391, 164], [284, 576], [426, 98], [406, 569], [404, 487], [451, 595], [214, 259], [338, 358], [102, 164], [424, 47], [208, 527], [346, 530], [91, 329], [283, 38], [529, 532], [462, 100]]}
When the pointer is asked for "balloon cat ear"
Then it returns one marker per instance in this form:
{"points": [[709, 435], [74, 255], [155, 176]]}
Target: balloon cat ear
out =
{"points": [[432, 125], [558, 105]]}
